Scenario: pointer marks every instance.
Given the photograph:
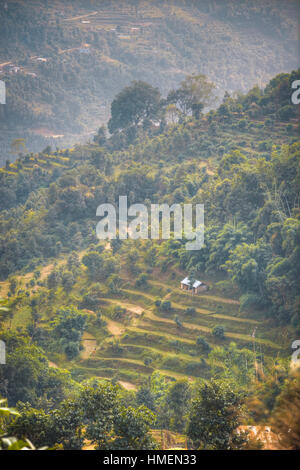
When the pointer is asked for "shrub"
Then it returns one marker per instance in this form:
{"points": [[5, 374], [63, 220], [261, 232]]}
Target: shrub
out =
{"points": [[177, 321], [141, 280], [118, 312], [190, 311], [203, 344], [219, 331], [166, 306]]}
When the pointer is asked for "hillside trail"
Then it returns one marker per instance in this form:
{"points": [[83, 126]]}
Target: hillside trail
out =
{"points": [[75, 18], [128, 385], [116, 329], [89, 344], [52, 364]]}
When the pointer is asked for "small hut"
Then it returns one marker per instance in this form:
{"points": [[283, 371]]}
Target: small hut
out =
{"points": [[196, 288]]}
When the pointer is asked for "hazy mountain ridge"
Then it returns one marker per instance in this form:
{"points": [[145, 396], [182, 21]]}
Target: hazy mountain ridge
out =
{"points": [[91, 47]]}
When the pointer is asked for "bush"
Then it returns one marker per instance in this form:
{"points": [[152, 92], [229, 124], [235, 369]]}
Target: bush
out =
{"points": [[141, 280], [203, 344], [242, 124], [147, 361], [219, 331], [118, 312], [194, 368], [249, 300], [177, 321], [166, 306], [190, 311], [286, 112]]}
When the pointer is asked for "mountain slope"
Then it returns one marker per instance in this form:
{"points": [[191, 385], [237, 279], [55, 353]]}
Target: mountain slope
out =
{"points": [[50, 51]]}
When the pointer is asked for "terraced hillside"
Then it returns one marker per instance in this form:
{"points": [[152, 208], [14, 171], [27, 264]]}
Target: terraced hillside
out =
{"points": [[81, 316], [136, 338]]}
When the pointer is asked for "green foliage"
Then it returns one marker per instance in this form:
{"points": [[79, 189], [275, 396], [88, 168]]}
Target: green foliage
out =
{"points": [[194, 94], [100, 266], [68, 328], [132, 426], [219, 331], [203, 345], [178, 321], [141, 280], [145, 396], [27, 376], [134, 105], [251, 243], [166, 306], [178, 401], [215, 414], [238, 365], [190, 310], [98, 401]]}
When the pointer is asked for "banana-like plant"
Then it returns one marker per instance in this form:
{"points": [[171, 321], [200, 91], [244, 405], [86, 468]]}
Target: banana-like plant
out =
{"points": [[8, 442]]}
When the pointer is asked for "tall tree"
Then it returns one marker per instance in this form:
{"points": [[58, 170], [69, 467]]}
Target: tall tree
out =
{"points": [[195, 94], [133, 105], [214, 417]]}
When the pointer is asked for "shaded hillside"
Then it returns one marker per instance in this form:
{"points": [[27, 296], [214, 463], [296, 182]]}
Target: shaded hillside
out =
{"points": [[63, 62]]}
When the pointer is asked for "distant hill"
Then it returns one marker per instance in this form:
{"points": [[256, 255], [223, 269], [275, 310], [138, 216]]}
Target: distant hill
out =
{"points": [[63, 62]]}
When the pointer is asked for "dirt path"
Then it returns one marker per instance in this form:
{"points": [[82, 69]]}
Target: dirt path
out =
{"points": [[128, 385], [116, 329], [52, 364], [130, 307], [74, 18], [5, 63], [89, 345]]}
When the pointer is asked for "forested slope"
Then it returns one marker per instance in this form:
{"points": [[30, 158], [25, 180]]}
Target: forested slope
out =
{"points": [[63, 62], [101, 332]]}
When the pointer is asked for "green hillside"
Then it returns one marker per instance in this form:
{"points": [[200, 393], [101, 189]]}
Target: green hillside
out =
{"points": [[76, 309]]}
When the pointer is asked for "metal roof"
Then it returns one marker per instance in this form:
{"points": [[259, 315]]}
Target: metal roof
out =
{"points": [[187, 282]]}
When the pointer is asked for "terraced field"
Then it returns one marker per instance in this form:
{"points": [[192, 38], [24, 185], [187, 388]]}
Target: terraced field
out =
{"points": [[139, 338], [145, 339], [41, 162]]}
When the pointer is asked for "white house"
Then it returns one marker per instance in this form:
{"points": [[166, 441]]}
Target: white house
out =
{"points": [[198, 286]]}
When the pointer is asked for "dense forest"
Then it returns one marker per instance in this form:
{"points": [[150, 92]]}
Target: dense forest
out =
{"points": [[63, 65], [103, 349]]}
